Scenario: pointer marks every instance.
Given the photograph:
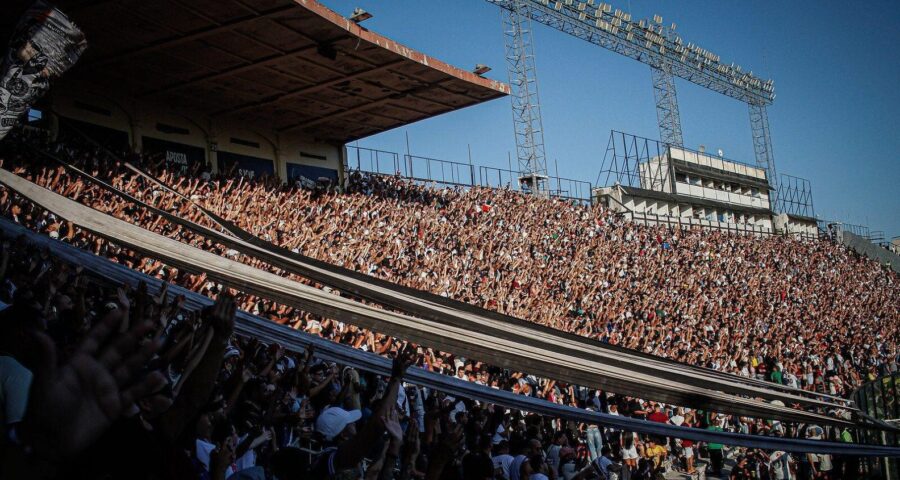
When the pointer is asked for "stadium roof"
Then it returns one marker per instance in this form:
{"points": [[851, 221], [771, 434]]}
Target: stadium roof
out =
{"points": [[293, 65]]}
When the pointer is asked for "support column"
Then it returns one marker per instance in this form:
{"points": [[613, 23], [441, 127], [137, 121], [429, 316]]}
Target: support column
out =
{"points": [[524, 95], [762, 146], [666, 105]]}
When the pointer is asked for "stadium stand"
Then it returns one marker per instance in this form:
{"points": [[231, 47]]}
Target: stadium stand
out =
{"points": [[172, 308], [379, 193]]}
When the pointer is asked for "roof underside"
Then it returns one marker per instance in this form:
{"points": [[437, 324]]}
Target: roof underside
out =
{"points": [[294, 66]]}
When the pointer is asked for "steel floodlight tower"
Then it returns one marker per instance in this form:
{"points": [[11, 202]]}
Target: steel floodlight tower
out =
{"points": [[524, 95], [649, 42], [762, 146], [666, 105]]}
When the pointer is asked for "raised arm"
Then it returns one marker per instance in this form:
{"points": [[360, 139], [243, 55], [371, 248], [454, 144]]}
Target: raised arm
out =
{"points": [[352, 452]]}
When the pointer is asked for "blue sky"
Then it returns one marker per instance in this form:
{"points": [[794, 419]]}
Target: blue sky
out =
{"points": [[836, 67]]}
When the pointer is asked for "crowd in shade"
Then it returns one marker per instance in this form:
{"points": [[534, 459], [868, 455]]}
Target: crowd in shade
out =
{"points": [[164, 392]]}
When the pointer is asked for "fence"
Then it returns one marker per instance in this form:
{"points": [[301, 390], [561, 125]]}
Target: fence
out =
{"points": [[466, 175], [879, 399], [687, 223], [794, 196]]}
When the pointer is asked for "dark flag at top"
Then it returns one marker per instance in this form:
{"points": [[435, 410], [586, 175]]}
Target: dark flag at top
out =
{"points": [[45, 44]]}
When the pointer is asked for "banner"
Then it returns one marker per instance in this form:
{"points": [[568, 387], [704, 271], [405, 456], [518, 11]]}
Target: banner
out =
{"points": [[178, 156], [44, 45], [245, 165], [309, 176]]}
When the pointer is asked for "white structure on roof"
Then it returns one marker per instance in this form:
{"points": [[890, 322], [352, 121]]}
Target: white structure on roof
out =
{"points": [[689, 187]]}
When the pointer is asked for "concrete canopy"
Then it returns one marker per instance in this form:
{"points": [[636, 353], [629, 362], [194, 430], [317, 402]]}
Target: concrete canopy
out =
{"points": [[289, 65]]}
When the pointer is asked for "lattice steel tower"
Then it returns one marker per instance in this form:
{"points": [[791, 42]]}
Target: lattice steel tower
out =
{"points": [[647, 41], [666, 104], [762, 145], [526, 105]]}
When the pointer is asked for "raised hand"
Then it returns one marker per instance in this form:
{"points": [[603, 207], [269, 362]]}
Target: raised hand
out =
{"points": [[73, 404], [403, 360], [391, 423], [122, 297], [221, 316], [310, 351]]}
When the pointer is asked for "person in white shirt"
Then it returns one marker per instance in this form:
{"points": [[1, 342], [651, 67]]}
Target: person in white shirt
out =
{"points": [[502, 460]]}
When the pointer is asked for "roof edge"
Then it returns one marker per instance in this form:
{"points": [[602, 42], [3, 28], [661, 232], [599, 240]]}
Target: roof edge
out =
{"points": [[400, 49]]}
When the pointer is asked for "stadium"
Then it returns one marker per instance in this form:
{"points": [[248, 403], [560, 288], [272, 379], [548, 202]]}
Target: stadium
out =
{"points": [[204, 277]]}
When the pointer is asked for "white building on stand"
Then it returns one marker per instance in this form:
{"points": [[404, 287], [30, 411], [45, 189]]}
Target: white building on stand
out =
{"points": [[664, 184]]}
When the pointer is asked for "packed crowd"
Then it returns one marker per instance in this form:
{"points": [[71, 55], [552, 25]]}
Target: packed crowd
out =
{"points": [[806, 314], [104, 381]]}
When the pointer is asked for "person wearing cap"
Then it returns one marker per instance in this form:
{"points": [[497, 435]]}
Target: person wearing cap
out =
{"points": [[345, 448], [335, 424], [656, 452]]}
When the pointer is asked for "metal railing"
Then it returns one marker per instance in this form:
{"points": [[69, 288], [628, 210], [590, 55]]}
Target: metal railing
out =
{"points": [[687, 223], [443, 172], [879, 399], [458, 174], [374, 161]]}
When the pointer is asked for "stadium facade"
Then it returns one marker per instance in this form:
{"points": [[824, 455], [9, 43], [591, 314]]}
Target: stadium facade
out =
{"points": [[261, 87], [660, 183]]}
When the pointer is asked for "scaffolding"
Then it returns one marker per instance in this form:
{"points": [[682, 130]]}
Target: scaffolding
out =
{"points": [[636, 162], [794, 196], [526, 107], [666, 105], [650, 42]]}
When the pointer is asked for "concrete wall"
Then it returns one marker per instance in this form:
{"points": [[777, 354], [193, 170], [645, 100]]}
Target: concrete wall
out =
{"points": [[864, 247], [717, 163], [787, 225], [700, 215], [141, 120], [761, 200]]}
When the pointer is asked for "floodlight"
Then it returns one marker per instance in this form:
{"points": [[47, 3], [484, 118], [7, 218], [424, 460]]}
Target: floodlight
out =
{"points": [[360, 15], [481, 69], [657, 18]]}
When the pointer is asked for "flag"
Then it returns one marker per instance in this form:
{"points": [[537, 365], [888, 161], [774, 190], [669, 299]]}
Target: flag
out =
{"points": [[44, 46]]}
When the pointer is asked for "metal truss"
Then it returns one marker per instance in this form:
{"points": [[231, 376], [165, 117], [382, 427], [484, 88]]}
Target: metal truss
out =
{"points": [[524, 95], [795, 196], [634, 161], [647, 42], [762, 146], [666, 105]]}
